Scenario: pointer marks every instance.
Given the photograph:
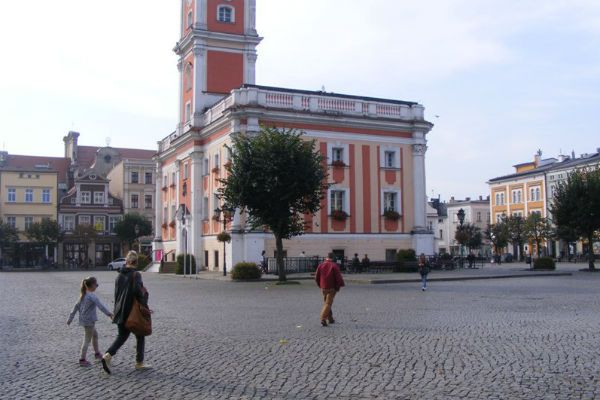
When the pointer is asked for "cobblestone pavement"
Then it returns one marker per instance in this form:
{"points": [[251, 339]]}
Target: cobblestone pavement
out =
{"points": [[534, 338]]}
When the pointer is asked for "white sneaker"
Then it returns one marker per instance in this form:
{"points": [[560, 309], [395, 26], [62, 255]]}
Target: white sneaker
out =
{"points": [[423, 289], [106, 359], [141, 366]]}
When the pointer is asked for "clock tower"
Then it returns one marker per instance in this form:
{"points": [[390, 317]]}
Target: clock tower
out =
{"points": [[217, 53]]}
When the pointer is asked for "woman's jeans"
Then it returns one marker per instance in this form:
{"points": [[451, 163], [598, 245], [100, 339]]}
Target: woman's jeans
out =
{"points": [[424, 280], [122, 337]]}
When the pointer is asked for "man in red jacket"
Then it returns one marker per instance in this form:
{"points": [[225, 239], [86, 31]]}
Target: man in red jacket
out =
{"points": [[329, 278]]}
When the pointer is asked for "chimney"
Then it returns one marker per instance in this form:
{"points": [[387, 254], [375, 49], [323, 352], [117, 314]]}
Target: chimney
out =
{"points": [[480, 197], [468, 199], [3, 158]]}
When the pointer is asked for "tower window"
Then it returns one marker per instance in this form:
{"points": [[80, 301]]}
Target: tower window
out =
{"points": [[225, 14], [188, 76], [188, 112], [190, 19]]}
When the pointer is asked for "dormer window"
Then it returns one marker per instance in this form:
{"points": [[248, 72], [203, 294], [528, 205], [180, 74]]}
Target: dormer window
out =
{"points": [[226, 14]]}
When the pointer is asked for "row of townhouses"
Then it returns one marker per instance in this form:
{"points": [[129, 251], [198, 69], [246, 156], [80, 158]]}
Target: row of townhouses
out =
{"points": [[90, 187], [530, 190]]}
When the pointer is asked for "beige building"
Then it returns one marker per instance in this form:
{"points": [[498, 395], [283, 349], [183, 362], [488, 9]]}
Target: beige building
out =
{"points": [[29, 190]]}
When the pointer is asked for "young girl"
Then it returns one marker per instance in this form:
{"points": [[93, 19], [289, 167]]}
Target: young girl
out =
{"points": [[87, 318]]}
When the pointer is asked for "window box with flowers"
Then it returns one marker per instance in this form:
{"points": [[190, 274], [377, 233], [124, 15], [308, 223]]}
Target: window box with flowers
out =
{"points": [[164, 225], [165, 188], [215, 170], [338, 164], [339, 215], [391, 215], [216, 218], [227, 165], [172, 224]]}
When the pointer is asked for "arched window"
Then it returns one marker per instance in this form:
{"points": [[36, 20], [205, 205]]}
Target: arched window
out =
{"points": [[226, 14], [188, 76]]}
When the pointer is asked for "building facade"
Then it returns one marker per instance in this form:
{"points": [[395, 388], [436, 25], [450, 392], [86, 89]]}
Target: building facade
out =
{"points": [[29, 190], [375, 150], [88, 214], [530, 190]]}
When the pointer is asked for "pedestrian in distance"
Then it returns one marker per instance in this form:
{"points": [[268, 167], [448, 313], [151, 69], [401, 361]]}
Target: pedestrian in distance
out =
{"points": [[365, 263], [355, 264], [423, 266], [86, 307], [329, 279], [128, 285]]}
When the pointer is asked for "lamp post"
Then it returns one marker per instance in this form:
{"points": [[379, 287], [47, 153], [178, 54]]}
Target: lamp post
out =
{"points": [[461, 220], [137, 237], [227, 211], [184, 238]]}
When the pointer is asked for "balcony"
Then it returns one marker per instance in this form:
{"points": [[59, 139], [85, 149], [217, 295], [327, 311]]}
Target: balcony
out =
{"points": [[300, 100]]}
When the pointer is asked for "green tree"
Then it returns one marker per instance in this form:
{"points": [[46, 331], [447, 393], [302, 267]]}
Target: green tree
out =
{"points": [[469, 235], [125, 228], [538, 229], [576, 207], [276, 177], [8, 236], [497, 234], [516, 232], [45, 232]]}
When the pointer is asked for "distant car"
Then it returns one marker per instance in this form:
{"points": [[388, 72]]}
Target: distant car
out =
{"points": [[116, 264]]}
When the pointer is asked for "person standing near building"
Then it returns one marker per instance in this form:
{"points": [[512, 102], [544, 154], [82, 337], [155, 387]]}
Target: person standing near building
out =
{"points": [[423, 270], [365, 263], [329, 279]]}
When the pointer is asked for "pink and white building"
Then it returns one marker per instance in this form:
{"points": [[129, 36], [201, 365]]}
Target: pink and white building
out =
{"points": [[375, 151]]}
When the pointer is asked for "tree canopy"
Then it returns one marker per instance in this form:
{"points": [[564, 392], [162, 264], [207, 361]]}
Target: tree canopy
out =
{"points": [[46, 232], [515, 225], [469, 235], [125, 228], [276, 177], [497, 234], [8, 235], [538, 229], [575, 207]]}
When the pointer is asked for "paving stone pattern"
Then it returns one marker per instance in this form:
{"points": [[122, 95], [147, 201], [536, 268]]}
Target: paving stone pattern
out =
{"points": [[534, 338]]}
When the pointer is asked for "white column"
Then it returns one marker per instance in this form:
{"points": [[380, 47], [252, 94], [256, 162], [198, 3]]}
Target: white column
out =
{"points": [[250, 68], [179, 230], [199, 73], [195, 190], [419, 188], [180, 110], [250, 17], [200, 14], [158, 204]]}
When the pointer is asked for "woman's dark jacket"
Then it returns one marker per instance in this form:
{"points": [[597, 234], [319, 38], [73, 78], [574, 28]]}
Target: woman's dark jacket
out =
{"points": [[125, 291]]}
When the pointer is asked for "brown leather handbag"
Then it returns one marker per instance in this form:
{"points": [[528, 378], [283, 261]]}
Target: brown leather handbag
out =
{"points": [[139, 321]]}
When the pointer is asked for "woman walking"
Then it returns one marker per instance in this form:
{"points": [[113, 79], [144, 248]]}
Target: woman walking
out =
{"points": [[128, 286], [423, 270], [86, 306]]}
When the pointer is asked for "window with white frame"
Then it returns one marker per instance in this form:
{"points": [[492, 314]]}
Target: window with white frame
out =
{"points": [[478, 216], [28, 222], [45, 195], [205, 167], [98, 197], [188, 77], [205, 208], [135, 177], [534, 193], [390, 201], [135, 200], [173, 178], [84, 220], [185, 170], [226, 14], [85, 197], [28, 195], [11, 221], [389, 158], [68, 222], [112, 223], [497, 199], [338, 200], [173, 212], [499, 217], [148, 178], [215, 203], [216, 161], [99, 223], [188, 112], [337, 154], [147, 201], [190, 19], [165, 215], [12, 195]]}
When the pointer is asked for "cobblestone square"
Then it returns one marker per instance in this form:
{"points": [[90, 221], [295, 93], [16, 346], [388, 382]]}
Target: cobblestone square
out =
{"points": [[534, 338]]}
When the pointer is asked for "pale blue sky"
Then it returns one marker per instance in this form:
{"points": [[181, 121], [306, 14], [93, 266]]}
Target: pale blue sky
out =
{"points": [[504, 77]]}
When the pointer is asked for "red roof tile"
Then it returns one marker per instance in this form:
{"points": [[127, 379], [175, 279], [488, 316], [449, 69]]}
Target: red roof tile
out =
{"points": [[29, 163]]}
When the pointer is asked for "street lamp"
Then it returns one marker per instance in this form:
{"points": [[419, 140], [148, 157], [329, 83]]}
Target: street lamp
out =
{"points": [[461, 220], [227, 212], [184, 238], [137, 237]]}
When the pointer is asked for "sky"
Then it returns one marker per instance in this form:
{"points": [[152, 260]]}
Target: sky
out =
{"points": [[499, 79]]}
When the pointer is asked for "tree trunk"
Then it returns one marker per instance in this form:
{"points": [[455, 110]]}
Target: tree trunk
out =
{"points": [[521, 255], [280, 266], [591, 251]]}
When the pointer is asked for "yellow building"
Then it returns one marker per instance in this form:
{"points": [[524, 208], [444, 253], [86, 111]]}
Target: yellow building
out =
{"points": [[29, 190]]}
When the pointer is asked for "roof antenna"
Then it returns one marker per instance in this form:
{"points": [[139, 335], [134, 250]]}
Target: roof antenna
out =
{"points": [[323, 88], [107, 141]]}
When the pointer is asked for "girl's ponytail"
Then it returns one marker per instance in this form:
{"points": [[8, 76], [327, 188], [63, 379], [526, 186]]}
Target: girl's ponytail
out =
{"points": [[83, 289]]}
